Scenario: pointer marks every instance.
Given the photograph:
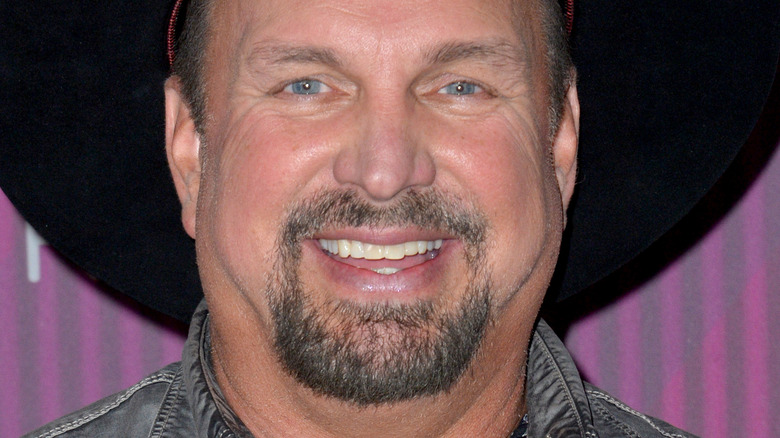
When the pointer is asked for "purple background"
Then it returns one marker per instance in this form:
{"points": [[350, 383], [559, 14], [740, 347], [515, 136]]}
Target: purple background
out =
{"points": [[693, 345]]}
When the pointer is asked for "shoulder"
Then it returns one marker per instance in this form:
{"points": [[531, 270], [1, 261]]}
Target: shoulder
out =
{"points": [[613, 418], [132, 412]]}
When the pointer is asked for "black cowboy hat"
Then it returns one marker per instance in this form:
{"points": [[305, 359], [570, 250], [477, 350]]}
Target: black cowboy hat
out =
{"points": [[669, 92]]}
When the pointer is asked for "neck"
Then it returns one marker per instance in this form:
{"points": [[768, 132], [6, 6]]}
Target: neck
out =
{"points": [[487, 401]]}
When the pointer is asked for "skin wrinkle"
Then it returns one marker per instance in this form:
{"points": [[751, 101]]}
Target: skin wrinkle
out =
{"points": [[498, 54], [268, 56], [557, 60], [280, 53]]}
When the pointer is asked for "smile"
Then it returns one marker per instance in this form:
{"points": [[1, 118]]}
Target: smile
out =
{"points": [[382, 259]]}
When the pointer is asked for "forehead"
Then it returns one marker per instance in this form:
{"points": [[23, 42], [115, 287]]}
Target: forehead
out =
{"points": [[374, 28]]}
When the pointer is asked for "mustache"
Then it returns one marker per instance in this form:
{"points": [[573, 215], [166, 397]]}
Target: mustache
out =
{"points": [[429, 209], [377, 353]]}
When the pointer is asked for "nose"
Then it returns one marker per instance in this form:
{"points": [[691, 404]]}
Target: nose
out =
{"points": [[387, 156]]}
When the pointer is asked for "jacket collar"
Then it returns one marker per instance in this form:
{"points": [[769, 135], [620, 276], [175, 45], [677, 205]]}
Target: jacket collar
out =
{"points": [[555, 395], [213, 417]]}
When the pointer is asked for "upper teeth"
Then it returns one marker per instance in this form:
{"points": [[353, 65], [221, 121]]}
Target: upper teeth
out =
{"points": [[359, 250]]}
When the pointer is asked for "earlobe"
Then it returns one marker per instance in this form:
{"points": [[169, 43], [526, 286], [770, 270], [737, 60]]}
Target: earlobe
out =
{"points": [[182, 145], [565, 145]]}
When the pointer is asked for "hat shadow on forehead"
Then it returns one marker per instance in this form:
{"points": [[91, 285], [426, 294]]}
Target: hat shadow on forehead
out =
{"points": [[179, 11]]}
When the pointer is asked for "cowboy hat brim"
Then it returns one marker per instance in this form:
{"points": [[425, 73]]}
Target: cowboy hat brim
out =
{"points": [[669, 92]]}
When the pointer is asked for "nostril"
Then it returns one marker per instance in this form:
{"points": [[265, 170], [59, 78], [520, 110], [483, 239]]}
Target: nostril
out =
{"points": [[381, 172]]}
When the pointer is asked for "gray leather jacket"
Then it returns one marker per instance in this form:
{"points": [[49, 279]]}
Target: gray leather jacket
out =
{"points": [[183, 400]]}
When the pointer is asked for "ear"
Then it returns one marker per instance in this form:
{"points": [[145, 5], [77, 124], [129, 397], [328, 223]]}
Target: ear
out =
{"points": [[565, 145], [182, 145]]}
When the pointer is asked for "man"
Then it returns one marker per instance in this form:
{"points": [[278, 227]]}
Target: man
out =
{"points": [[377, 192], [407, 210]]}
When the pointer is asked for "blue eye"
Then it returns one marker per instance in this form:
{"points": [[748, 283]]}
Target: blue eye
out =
{"points": [[306, 87], [460, 88]]}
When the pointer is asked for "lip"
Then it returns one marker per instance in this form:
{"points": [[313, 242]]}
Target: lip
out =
{"points": [[384, 236], [419, 282]]}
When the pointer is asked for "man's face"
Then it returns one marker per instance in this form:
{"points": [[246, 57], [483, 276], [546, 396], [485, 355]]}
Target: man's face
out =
{"points": [[378, 193]]}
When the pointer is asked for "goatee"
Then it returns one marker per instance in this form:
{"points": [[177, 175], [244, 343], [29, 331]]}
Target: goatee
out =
{"points": [[378, 353]]}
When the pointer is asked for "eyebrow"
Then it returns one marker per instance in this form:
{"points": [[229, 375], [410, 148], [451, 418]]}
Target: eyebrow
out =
{"points": [[498, 53], [280, 54]]}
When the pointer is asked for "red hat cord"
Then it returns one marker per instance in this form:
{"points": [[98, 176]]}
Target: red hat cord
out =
{"points": [[569, 13], [171, 37]]}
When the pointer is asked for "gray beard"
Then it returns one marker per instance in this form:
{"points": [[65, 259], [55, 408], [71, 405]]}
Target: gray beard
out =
{"points": [[378, 353]]}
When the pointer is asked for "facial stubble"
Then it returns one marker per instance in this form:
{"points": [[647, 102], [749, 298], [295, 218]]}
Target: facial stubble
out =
{"points": [[382, 352]]}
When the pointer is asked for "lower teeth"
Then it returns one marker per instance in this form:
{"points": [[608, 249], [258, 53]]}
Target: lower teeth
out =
{"points": [[386, 271]]}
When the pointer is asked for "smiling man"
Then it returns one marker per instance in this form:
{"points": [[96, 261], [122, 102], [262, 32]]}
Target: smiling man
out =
{"points": [[377, 191], [377, 197]]}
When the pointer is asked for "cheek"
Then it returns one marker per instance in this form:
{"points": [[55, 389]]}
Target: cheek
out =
{"points": [[254, 173], [503, 166]]}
